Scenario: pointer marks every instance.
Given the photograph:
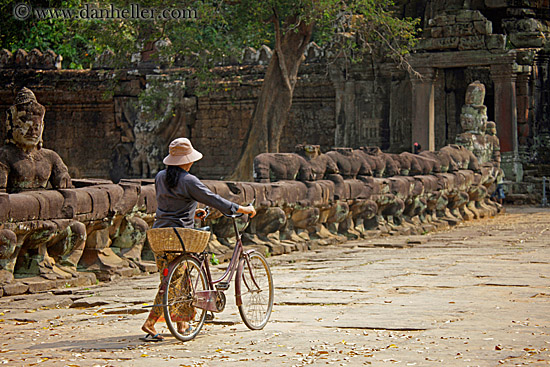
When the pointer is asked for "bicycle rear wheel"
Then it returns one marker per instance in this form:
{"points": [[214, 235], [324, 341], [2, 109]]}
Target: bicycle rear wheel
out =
{"points": [[254, 291], [183, 319]]}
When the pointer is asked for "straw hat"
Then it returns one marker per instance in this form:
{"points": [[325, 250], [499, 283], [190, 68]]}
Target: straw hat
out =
{"points": [[181, 152]]}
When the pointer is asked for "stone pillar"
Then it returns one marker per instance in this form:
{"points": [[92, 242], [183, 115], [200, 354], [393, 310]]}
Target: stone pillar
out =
{"points": [[504, 79], [423, 122], [440, 128], [522, 90]]}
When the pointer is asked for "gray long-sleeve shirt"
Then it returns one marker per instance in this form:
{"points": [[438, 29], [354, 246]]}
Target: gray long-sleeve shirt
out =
{"points": [[176, 206]]}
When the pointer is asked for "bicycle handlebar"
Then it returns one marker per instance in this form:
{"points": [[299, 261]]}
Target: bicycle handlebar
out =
{"points": [[236, 215]]}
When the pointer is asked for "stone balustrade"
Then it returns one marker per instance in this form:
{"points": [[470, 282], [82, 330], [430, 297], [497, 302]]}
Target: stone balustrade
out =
{"points": [[34, 59], [343, 194]]}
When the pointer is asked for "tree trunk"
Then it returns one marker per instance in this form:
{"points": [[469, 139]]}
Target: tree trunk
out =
{"points": [[275, 100]]}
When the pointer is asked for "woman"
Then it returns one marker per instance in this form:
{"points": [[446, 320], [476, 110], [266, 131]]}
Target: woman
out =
{"points": [[177, 193]]}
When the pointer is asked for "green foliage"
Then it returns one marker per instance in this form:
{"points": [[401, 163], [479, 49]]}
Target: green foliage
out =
{"points": [[62, 36], [214, 260], [222, 29]]}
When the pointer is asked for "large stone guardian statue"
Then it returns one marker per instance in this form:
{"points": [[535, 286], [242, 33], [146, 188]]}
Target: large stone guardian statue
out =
{"points": [[473, 119], [24, 164], [51, 248]]}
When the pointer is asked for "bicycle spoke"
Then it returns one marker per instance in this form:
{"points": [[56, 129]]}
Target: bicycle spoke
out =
{"points": [[182, 318], [256, 291]]}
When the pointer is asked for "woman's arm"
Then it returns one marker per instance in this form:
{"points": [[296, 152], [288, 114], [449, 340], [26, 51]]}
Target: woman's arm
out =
{"points": [[204, 195]]}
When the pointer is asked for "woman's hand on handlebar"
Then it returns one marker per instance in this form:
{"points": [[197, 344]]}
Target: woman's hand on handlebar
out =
{"points": [[247, 210], [200, 213]]}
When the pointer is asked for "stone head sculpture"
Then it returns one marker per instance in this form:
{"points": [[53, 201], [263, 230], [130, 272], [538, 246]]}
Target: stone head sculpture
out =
{"points": [[25, 121], [491, 128], [475, 93], [309, 151]]}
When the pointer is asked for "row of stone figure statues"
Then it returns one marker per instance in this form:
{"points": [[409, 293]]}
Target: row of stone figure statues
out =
{"points": [[309, 164], [54, 227], [370, 189], [101, 226]]}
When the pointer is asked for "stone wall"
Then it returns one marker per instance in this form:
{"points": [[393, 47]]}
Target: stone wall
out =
{"points": [[100, 112]]}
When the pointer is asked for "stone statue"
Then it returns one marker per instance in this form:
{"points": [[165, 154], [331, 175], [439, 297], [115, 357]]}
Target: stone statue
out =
{"points": [[321, 164], [54, 247], [473, 119], [270, 167], [24, 164], [494, 144]]}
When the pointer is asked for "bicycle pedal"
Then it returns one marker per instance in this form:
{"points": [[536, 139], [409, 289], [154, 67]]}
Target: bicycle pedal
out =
{"points": [[222, 286]]}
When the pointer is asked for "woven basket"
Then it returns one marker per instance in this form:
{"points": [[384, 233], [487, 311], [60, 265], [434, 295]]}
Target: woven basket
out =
{"points": [[166, 240]]}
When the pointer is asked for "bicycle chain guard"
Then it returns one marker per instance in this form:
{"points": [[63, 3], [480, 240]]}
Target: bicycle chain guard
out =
{"points": [[211, 300]]}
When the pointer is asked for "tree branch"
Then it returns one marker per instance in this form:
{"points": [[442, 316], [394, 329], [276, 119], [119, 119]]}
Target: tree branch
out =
{"points": [[305, 30], [403, 62], [279, 51]]}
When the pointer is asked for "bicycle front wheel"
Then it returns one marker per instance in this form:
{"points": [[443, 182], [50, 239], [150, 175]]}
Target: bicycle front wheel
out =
{"points": [[254, 291], [186, 279]]}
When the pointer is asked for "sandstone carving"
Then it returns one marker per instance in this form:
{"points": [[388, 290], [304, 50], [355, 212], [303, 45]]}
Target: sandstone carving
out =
{"points": [[24, 164], [381, 163], [350, 162], [55, 245], [281, 166], [321, 164]]}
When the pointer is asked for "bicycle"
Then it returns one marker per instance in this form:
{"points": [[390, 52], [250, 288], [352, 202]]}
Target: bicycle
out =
{"points": [[190, 292]]}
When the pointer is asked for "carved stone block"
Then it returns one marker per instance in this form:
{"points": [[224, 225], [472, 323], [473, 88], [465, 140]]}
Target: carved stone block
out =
{"points": [[446, 43], [527, 39], [469, 15], [51, 203], [459, 30], [24, 207], [129, 197], [495, 41], [437, 32], [442, 20], [471, 43], [483, 26]]}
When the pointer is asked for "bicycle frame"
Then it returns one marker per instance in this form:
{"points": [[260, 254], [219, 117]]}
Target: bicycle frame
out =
{"points": [[208, 299]]}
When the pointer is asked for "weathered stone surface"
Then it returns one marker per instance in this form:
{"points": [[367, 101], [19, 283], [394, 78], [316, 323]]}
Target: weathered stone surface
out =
{"points": [[321, 164], [50, 203], [280, 166], [447, 43], [16, 288], [471, 43], [4, 207], [5, 277], [527, 39], [24, 207], [495, 41], [350, 163], [483, 27], [36, 285]]}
